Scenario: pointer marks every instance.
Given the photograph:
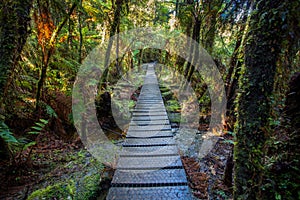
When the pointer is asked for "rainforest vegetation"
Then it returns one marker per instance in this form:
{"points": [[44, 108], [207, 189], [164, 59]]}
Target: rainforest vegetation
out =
{"points": [[254, 44]]}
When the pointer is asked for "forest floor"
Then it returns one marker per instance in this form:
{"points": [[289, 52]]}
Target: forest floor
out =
{"points": [[66, 170], [206, 175], [54, 162]]}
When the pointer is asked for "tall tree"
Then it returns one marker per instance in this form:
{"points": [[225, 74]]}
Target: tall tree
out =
{"points": [[262, 50], [114, 28], [47, 35], [197, 22], [14, 23], [235, 65], [118, 7]]}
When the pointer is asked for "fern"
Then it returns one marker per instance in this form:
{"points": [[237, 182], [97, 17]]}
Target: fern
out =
{"points": [[38, 127], [6, 135], [50, 111], [29, 144]]}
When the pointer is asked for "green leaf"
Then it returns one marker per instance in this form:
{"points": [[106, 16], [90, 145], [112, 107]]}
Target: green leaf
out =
{"points": [[33, 132], [277, 196], [29, 145], [37, 128], [6, 135], [44, 121], [50, 111], [40, 124]]}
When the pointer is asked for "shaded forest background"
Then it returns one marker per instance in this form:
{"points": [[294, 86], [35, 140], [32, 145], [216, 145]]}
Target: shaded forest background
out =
{"points": [[255, 45]]}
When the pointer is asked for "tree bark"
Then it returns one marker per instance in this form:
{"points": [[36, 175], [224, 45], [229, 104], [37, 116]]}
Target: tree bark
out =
{"points": [[287, 164], [14, 23], [256, 85], [80, 34], [231, 81], [15, 20], [117, 6], [195, 50], [113, 29]]}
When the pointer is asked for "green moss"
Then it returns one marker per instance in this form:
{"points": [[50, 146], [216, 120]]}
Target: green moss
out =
{"points": [[176, 118], [167, 95], [164, 89], [81, 184], [59, 191], [173, 106], [89, 187]]}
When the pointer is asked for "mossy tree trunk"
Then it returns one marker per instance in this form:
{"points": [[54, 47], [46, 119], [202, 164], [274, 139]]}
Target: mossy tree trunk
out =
{"points": [[235, 65], [282, 177], [14, 23], [262, 49], [287, 184]]}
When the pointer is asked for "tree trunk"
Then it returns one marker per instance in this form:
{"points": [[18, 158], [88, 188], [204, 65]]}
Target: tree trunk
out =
{"points": [[14, 23], [231, 81], [179, 60], [195, 50], [113, 29], [80, 34], [15, 19], [288, 163], [140, 59], [48, 53], [196, 36], [256, 86], [228, 171]]}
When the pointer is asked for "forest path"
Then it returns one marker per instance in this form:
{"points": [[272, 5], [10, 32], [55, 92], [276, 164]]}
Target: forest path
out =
{"points": [[149, 166]]}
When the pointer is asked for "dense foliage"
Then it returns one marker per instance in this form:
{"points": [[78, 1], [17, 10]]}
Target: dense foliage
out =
{"points": [[255, 45]]}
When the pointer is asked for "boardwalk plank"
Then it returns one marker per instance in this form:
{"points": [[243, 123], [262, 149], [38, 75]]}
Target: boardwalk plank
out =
{"points": [[149, 166]]}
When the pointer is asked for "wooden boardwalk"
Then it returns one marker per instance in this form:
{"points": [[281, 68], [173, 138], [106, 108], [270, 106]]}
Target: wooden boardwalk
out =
{"points": [[149, 166]]}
